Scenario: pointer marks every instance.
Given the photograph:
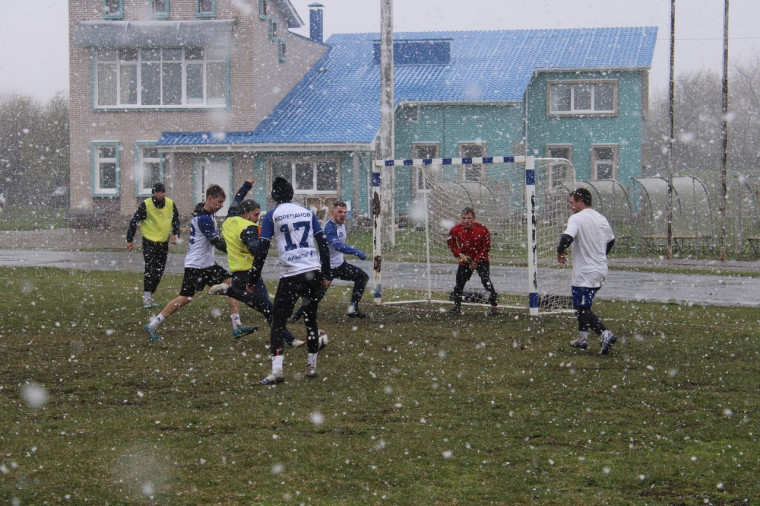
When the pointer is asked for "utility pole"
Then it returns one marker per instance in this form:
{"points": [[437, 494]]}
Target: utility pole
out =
{"points": [[724, 127], [671, 135]]}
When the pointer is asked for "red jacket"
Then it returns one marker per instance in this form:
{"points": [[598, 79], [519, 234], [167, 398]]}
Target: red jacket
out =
{"points": [[475, 243]]}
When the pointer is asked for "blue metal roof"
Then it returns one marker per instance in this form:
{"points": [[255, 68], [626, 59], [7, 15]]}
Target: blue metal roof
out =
{"points": [[338, 100]]}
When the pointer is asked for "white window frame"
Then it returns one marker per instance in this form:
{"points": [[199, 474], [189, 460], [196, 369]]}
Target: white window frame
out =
{"points": [[596, 162], [125, 68], [575, 106], [314, 162], [98, 159], [466, 171], [143, 189], [417, 176], [558, 169]]}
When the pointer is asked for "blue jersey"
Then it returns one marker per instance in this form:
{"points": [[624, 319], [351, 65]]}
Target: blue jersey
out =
{"points": [[292, 227]]}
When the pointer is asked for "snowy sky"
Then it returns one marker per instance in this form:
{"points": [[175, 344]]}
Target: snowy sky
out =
{"points": [[34, 32]]}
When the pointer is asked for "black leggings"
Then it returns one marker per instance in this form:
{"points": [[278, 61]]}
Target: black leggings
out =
{"points": [[155, 255], [289, 290], [588, 320], [465, 273]]}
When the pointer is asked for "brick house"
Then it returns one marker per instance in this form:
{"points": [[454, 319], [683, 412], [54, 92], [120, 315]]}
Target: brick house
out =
{"points": [[579, 94]]}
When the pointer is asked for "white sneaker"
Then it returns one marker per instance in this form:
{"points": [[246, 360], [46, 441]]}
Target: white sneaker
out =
{"points": [[220, 289], [297, 343], [272, 379]]}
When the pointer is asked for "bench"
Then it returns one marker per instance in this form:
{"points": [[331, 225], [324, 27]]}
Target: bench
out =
{"points": [[681, 241]]}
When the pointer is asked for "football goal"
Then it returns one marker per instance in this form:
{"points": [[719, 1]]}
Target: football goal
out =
{"points": [[522, 201]]}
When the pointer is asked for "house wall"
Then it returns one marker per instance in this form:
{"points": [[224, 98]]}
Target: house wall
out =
{"points": [[626, 130], [353, 184], [499, 127], [257, 82]]}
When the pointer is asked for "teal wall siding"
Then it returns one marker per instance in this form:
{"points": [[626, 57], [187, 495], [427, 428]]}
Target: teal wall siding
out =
{"points": [[346, 185], [626, 130], [498, 126]]}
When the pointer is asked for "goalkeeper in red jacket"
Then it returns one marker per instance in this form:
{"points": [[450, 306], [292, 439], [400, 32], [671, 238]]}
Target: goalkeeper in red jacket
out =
{"points": [[470, 242]]}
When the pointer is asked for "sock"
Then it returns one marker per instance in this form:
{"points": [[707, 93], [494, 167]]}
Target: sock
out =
{"points": [[236, 323], [583, 335], [277, 364], [158, 320], [147, 297], [352, 308], [311, 360]]}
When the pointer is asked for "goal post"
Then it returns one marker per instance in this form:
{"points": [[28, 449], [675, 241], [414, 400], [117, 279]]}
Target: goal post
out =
{"points": [[523, 202]]}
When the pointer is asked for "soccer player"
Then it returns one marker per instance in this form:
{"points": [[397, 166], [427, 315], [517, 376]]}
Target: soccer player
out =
{"points": [[304, 259], [200, 268], [592, 239], [241, 234], [470, 242], [159, 226], [335, 232]]}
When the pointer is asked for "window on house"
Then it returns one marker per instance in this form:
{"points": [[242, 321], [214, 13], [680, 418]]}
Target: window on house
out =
{"points": [[604, 162], [582, 97], [472, 172], [282, 50], [205, 8], [113, 9], [410, 113], [272, 29], [263, 9], [159, 8], [149, 168], [168, 77], [308, 177], [558, 172], [424, 151], [105, 169]]}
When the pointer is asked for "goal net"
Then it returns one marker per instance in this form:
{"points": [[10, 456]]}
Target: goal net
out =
{"points": [[522, 201]]}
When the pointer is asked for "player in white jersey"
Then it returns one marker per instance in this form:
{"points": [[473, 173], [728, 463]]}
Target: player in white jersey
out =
{"points": [[304, 260], [335, 233], [201, 269], [592, 239]]}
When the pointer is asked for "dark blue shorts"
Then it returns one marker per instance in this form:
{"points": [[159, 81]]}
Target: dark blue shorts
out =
{"points": [[583, 297]]}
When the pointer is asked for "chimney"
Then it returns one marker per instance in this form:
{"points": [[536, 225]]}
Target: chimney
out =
{"points": [[315, 21]]}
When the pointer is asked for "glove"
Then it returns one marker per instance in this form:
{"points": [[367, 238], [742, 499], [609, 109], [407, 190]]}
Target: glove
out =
{"points": [[361, 255]]}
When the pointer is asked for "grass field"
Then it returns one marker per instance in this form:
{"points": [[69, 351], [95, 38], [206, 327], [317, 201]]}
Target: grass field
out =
{"points": [[410, 407]]}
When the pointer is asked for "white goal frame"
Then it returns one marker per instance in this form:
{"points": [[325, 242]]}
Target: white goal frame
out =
{"points": [[380, 201]]}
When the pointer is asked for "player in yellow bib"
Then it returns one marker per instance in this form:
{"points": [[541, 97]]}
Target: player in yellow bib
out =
{"points": [[241, 233], [159, 225]]}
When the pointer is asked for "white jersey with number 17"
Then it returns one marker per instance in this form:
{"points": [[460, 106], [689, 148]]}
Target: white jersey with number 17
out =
{"points": [[292, 227]]}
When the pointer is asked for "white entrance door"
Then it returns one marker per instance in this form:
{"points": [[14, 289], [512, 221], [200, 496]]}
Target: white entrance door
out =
{"points": [[210, 171]]}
